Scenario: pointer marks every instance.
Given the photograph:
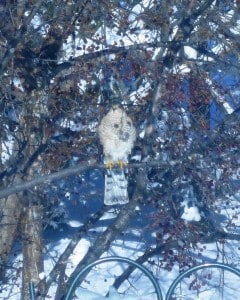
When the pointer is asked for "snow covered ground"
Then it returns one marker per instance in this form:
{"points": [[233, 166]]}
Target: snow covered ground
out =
{"points": [[215, 284]]}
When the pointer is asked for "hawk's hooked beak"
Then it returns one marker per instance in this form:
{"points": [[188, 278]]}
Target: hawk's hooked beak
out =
{"points": [[115, 106]]}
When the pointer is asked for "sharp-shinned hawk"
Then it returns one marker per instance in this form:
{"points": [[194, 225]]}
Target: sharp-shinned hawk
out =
{"points": [[117, 136]]}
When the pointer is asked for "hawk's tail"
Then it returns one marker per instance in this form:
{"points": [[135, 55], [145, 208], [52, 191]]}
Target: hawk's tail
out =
{"points": [[115, 187]]}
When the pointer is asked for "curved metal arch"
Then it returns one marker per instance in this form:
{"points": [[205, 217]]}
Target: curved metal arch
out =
{"points": [[110, 259], [196, 268]]}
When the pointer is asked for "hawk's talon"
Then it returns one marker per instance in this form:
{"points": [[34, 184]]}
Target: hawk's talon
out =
{"points": [[122, 164], [109, 165]]}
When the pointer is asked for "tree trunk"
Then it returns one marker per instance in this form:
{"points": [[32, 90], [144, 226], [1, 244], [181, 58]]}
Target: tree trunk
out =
{"points": [[32, 249], [10, 210]]}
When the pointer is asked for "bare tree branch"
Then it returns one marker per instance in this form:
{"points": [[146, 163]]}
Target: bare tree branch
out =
{"points": [[9, 54], [71, 171], [104, 241], [62, 261]]}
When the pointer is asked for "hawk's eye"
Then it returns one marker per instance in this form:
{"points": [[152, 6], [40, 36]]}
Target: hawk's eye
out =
{"points": [[116, 125], [129, 123]]}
